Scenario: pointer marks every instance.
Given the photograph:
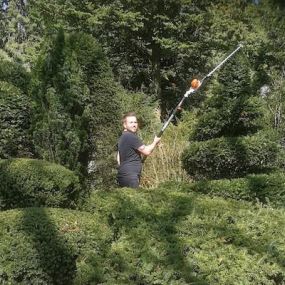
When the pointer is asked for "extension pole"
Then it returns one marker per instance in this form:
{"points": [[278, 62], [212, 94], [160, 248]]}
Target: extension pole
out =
{"points": [[193, 90]]}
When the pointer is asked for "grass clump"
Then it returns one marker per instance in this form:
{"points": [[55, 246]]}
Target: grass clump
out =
{"points": [[165, 164]]}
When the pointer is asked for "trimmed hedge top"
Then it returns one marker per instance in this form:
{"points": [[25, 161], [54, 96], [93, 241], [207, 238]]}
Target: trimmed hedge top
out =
{"points": [[50, 246], [231, 157], [144, 237], [31, 182], [266, 188], [164, 236]]}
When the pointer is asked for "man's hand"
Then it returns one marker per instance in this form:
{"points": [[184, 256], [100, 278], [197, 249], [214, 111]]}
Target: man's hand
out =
{"points": [[147, 149]]}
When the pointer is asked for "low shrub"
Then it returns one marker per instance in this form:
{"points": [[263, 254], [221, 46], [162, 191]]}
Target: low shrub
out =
{"points": [[265, 188], [31, 182], [230, 157], [51, 246], [167, 236], [146, 237]]}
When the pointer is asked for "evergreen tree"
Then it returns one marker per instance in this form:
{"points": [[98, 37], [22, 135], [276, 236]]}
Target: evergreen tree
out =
{"points": [[270, 64], [75, 111], [15, 111], [228, 139], [154, 46]]}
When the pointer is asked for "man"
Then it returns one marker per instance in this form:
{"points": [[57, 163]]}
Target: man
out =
{"points": [[130, 149]]}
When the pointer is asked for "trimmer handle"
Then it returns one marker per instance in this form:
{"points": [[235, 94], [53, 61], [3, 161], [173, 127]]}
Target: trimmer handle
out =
{"points": [[160, 134]]}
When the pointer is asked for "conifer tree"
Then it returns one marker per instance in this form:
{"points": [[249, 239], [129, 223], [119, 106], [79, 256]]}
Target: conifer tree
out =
{"points": [[15, 111], [75, 108], [230, 138]]}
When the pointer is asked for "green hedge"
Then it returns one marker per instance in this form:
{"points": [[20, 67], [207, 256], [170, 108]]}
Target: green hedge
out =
{"points": [[165, 236], [145, 237], [230, 157], [51, 246], [265, 188], [31, 182], [229, 117]]}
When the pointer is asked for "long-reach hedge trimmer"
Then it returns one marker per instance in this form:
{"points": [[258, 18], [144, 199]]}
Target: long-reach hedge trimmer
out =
{"points": [[195, 86]]}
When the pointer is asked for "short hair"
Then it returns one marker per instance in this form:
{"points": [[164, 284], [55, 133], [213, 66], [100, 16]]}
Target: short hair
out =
{"points": [[128, 114]]}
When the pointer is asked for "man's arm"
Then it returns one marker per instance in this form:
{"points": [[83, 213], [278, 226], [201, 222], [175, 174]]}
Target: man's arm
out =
{"points": [[147, 149], [118, 158]]}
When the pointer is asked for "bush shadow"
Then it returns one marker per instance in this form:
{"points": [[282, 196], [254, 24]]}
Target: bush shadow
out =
{"points": [[161, 245], [55, 259], [161, 250]]}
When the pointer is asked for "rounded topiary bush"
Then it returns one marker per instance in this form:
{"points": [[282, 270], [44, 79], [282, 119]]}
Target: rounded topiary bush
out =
{"points": [[231, 136], [31, 182], [265, 188], [51, 246], [229, 157], [144, 237], [226, 117]]}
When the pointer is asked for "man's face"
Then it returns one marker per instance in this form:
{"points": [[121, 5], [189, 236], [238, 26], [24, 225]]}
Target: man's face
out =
{"points": [[131, 124]]}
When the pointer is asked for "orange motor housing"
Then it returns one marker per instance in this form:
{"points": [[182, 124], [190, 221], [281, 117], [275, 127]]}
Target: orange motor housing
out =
{"points": [[195, 83]]}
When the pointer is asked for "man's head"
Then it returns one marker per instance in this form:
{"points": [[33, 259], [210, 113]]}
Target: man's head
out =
{"points": [[130, 122]]}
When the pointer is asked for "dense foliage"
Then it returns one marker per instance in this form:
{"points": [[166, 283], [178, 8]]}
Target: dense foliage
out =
{"points": [[229, 157], [51, 246], [265, 188], [153, 49], [31, 182], [144, 237], [15, 111], [68, 69], [76, 111], [229, 138]]}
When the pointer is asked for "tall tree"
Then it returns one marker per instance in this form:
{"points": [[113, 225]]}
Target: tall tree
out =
{"points": [[76, 112], [154, 46], [15, 111], [14, 29]]}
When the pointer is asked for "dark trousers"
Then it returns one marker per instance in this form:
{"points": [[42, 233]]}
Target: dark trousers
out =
{"points": [[131, 180]]}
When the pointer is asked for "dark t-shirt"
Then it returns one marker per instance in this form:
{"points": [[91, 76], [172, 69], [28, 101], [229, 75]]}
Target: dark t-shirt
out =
{"points": [[130, 158]]}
